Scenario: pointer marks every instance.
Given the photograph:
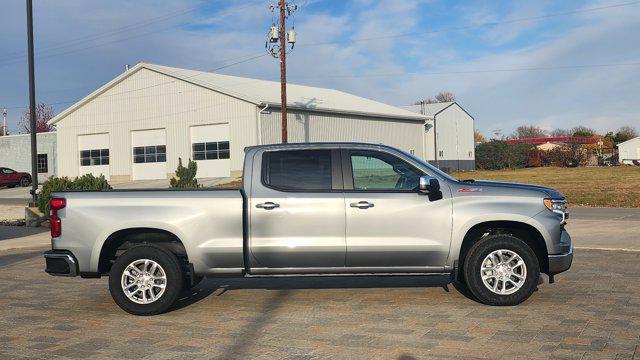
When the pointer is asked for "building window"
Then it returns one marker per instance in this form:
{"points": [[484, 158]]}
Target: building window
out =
{"points": [[441, 153], [211, 150], [43, 164], [94, 157], [149, 154]]}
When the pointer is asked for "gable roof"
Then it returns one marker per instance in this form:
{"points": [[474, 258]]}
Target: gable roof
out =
{"points": [[263, 92], [433, 109], [628, 141]]}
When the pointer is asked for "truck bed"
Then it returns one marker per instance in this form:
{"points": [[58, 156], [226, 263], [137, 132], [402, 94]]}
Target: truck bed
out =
{"points": [[209, 222]]}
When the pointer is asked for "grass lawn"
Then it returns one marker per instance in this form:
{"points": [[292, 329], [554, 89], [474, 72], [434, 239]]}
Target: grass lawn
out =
{"points": [[583, 186]]}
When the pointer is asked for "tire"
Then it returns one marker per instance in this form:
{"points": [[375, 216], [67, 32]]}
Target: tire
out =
{"points": [[142, 302], [519, 276], [24, 182]]}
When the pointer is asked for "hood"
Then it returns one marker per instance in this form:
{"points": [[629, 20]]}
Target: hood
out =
{"points": [[552, 193]]}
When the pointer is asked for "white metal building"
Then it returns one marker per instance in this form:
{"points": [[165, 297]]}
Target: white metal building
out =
{"points": [[140, 123], [629, 151], [15, 153], [448, 135]]}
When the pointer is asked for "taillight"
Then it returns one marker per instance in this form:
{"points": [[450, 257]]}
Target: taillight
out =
{"points": [[55, 224]]}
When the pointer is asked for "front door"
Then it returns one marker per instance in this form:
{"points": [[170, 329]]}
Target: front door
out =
{"points": [[297, 215], [389, 224]]}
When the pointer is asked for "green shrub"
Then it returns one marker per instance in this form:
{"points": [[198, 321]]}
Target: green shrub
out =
{"points": [[84, 182], [185, 176], [496, 155]]}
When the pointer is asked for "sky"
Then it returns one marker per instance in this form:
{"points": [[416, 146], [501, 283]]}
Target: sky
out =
{"points": [[555, 64]]}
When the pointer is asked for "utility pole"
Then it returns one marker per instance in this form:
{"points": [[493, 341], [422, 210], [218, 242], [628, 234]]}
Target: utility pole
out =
{"points": [[4, 122], [32, 106], [278, 33]]}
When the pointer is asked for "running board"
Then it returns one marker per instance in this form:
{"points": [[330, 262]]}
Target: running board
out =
{"points": [[343, 275]]}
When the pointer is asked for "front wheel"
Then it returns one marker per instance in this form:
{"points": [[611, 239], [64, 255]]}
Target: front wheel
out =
{"points": [[146, 280], [501, 270], [24, 182]]}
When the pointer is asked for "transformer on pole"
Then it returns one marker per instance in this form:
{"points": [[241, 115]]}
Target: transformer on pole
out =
{"points": [[279, 43]]}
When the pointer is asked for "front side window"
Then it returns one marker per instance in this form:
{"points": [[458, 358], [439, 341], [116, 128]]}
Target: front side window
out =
{"points": [[94, 157], [299, 170], [149, 154], [43, 164], [211, 150], [379, 171]]}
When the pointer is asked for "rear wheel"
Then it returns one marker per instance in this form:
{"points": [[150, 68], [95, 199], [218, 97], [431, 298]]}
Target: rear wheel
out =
{"points": [[24, 181], [501, 270], [146, 280]]}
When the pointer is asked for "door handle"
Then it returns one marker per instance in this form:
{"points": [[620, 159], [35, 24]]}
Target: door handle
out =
{"points": [[268, 205], [361, 205]]}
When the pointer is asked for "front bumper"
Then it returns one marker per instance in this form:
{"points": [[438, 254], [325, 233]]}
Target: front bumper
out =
{"points": [[560, 262], [60, 263]]}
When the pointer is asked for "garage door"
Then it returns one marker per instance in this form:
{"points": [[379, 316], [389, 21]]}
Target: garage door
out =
{"points": [[149, 154], [94, 154], [210, 149]]}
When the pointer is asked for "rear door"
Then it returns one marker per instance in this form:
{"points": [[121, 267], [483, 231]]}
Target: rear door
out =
{"points": [[296, 207], [389, 223]]}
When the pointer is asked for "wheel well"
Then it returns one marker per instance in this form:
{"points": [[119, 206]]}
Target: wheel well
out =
{"points": [[122, 240], [522, 231]]}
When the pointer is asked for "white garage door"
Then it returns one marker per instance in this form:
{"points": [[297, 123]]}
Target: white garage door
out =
{"points": [[94, 154], [149, 154], [210, 149]]}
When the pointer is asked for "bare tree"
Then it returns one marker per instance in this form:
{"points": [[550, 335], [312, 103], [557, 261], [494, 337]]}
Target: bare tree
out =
{"points": [[445, 96], [442, 96], [529, 132], [582, 131], [44, 113], [560, 133], [625, 133]]}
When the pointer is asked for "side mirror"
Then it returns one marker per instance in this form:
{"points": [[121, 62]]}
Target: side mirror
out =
{"points": [[429, 185]]}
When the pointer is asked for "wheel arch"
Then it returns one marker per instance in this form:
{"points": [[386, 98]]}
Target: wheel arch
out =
{"points": [[124, 239], [526, 232]]}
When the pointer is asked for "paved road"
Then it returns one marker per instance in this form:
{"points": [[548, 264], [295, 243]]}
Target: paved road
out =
{"points": [[592, 312]]}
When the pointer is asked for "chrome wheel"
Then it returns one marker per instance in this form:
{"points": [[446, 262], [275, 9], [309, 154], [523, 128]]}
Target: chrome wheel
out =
{"points": [[503, 272], [143, 281], [24, 182]]}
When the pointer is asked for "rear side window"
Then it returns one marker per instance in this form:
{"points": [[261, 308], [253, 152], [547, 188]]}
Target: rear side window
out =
{"points": [[302, 170]]}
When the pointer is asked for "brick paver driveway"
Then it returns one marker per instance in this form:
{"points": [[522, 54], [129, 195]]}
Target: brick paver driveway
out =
{"points": [[593, 311]]}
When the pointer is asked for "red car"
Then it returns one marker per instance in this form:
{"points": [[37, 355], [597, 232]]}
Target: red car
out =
{"points": [[11, 178]]}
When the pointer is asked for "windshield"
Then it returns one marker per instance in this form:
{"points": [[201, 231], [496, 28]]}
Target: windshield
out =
{"points": [[430, 167]]}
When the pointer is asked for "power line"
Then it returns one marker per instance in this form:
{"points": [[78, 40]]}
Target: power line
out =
{"points": [[475, 26], [477, 71], [244, 60], [43, 54]]}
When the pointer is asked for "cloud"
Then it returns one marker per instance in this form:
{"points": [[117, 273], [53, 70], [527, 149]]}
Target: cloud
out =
{"points": [[219, 33]]}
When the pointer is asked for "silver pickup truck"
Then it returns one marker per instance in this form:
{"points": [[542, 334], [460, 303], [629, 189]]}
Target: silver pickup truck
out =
{"points": [[323, 209]]}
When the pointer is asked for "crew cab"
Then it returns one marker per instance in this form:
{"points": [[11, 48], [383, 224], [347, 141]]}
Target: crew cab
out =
{"points": [[322, 209]]}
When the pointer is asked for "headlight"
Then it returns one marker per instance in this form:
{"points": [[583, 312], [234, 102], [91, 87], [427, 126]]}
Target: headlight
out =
{"points": [[556, 205]]}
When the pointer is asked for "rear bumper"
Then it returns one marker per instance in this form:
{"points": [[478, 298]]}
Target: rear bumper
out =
{"points": [[60, 263], [560, 262]]}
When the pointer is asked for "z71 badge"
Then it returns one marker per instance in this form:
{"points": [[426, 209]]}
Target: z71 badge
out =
{"points": [[470, 190]]}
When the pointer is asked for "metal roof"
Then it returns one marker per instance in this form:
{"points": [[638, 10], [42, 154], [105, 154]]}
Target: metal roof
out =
{"points": [[566, 139], [430, 110], [630, 140], [264, 92]]}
